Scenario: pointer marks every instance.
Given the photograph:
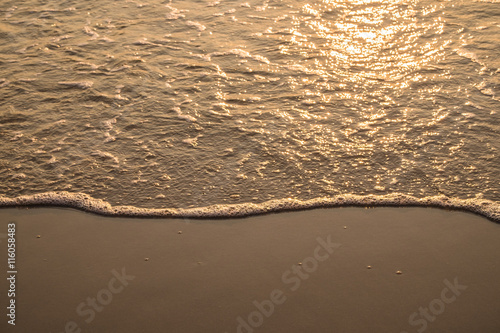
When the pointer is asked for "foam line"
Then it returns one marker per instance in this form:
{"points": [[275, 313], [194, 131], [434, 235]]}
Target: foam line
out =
{"points": [[487, 208]]}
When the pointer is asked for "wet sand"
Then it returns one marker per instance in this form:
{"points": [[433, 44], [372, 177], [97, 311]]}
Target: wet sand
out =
{"points": [[304, 271]]}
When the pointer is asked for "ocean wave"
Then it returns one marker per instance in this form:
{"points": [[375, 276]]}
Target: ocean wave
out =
{"points": [[486, 208]]}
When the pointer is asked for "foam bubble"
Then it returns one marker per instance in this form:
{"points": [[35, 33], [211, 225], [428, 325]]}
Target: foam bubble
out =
{"points": [[175, 13], [487, 208]]}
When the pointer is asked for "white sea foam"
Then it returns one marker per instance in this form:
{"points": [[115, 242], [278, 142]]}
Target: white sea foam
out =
{"points": [[89, 31], [469, 55], [197, 25], [175, 13], [87, 203], [182, 116], [81, 85], [105, 155], [17, 137], [192, 141]]}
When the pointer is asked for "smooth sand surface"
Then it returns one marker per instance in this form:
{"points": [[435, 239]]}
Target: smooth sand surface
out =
{"points": [[210, 277]]}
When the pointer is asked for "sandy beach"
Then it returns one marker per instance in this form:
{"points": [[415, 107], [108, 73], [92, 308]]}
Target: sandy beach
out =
{"points": [[250, 166], [324, 270]]}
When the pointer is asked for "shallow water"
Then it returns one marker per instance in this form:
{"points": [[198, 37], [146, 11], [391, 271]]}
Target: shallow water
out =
{"points": [[185, 104]]}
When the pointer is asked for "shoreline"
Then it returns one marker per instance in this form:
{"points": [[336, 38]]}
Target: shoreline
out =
{"points": [[84, 202], [319, 270]]}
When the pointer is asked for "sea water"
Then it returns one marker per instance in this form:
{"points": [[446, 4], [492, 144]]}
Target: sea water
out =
{"points": [[226, 107]]}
